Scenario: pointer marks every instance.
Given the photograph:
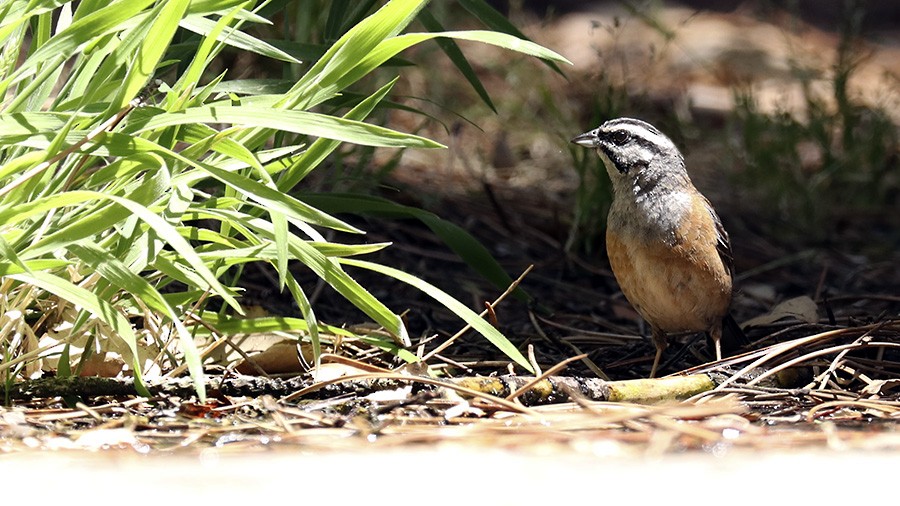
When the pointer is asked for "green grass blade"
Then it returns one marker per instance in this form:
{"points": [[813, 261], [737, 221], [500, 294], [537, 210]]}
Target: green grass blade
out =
{"points": [[220, 7], [234, 37], [309, 316], [494, 20], [191, 78], [29, 266], [470, 317], [329, 270], [64, 44], [165, 231], [354, 45], [300, 122], [100, 308], [321, 148], [472, 252], [288, 324], [280, 226], [456, 56], [165, 20], [280, 202], [7, 252], [118, 274], [390, 47]]}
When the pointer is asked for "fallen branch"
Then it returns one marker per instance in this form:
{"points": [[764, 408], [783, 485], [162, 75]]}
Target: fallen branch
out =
{"points": [[554, 389]]}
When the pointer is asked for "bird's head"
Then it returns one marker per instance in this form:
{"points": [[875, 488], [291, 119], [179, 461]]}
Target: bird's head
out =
{"points": [[633, 149]]}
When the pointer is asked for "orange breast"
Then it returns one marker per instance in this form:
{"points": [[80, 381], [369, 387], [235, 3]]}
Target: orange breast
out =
{"points": [[682, 286]]}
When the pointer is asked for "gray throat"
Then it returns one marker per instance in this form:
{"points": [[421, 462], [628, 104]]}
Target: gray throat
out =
{"points": [[648, 209]]}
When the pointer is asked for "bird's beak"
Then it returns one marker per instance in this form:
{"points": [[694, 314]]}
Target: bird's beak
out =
{"points": [[587, 139]]}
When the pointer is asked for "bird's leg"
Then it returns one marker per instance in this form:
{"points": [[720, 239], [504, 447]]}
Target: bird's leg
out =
{"points": [[659, 339], [715, 334]]}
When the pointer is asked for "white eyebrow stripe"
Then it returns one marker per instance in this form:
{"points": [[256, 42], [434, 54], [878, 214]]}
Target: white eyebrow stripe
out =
{"points": [[640, 131]]}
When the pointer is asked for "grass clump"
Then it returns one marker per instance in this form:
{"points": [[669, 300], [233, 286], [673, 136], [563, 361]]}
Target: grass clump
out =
{"points": [[130, 202]]}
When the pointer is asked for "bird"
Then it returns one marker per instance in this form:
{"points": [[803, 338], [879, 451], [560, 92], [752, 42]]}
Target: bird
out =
{"points": [[667, 247]]}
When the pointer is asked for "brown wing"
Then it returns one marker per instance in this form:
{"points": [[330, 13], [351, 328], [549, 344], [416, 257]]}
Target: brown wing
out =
{"points": [[733, 337], [723, 244]]}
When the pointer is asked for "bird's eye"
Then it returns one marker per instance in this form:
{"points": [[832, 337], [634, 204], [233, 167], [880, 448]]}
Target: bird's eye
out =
{"points": [[619, 137]]}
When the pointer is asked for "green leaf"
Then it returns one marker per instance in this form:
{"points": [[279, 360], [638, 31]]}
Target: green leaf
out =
{"points": [[9, 268], [326, 268], [352, 48], [233, 255], [254, 86], [9, 253], [275, 200], [300, 122], [206, 138], [100, 216], [233, 326], [497, 21], [16, 127], [470, 317], [214, 6], [456, 56], [309, 316], [321, 148], [165, 18], [235, 38], [227, 325], [191, 78], [390, 47]]}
